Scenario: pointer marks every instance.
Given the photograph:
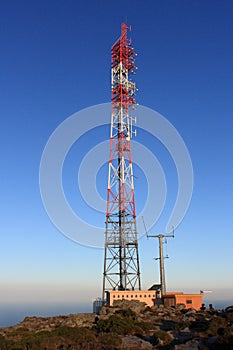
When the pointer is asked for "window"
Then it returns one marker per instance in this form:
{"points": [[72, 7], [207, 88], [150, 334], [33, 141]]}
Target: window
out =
{"points": [[189, 302], [127, 296], [131, 296], [118, 296], [113, 296], [149, 295]]}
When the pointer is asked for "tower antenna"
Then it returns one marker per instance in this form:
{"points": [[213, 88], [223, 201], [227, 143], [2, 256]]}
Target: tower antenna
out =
{"points": [[121, 258], [145, 227]]}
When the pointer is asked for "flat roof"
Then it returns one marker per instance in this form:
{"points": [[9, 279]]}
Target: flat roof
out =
{"points": [[131, 291], [181, 294]]}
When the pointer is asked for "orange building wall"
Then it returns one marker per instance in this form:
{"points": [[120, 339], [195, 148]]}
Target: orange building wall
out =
{"points": [[189, 300], [146, 296]]}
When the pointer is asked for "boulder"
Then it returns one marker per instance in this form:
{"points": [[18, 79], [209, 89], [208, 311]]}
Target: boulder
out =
{"points": [[190, 345], [132, 342]]}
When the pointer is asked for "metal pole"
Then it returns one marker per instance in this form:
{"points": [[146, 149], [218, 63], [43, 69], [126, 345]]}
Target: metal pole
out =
{"points": [[162, 271], [161, 258]]}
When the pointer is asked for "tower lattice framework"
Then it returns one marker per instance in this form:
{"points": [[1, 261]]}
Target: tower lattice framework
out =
{"points": [[121, 258]]}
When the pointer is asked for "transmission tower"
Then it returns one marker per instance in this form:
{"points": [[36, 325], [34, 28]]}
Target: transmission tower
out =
{"points": [[121, 258]]}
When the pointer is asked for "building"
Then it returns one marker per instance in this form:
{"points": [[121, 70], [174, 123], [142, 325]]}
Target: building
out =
{"points": [[145, 296], [193, 301], [98, 303], [153, 297]]}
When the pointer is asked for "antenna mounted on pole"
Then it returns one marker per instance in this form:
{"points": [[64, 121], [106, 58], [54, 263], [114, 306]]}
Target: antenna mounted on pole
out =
{"points": [[161, 256]]}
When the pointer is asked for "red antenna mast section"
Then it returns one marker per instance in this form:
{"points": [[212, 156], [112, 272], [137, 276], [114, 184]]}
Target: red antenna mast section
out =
{"points": [[121, 261]]}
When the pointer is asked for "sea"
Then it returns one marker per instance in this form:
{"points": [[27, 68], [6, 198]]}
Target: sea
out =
{"points": [[13, 313]]}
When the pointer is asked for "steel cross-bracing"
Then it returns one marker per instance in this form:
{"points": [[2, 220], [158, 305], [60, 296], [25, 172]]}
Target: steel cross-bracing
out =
{"points": [[121, 258]]}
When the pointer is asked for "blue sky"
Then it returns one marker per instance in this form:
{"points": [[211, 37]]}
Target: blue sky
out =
{"points": [[55, 61]]}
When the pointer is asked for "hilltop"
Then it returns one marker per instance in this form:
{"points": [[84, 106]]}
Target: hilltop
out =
{"points": [[127, 325]]}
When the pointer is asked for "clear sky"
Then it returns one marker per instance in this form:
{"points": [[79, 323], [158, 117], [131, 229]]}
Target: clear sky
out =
{"points": [[55, 61]]}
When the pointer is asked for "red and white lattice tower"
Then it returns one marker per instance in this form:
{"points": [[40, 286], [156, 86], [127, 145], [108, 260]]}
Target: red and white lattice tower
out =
{"points": [[121, 258]]}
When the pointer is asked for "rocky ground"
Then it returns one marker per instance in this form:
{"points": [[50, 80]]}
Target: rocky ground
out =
{"points": [[128, 325]]}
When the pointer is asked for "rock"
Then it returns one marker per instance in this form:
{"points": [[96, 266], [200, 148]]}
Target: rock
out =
{"points": [[191, 312], [186, 330], [191, 319], [180, 307], [107, 310], [171, 335], [134, 305], [229, 309], [190, 345], [38, 324], [132, 342], [158, 326], [183, 337], [212, 340], [155, 307]]}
